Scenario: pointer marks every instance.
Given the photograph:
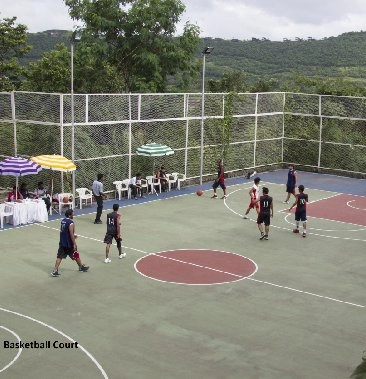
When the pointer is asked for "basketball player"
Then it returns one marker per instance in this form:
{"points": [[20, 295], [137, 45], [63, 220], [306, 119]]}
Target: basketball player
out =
{"points": [[220, 180], [300, 212], [67, 245], [291, 182], [265, 213], [253, 193], [113, 231]]}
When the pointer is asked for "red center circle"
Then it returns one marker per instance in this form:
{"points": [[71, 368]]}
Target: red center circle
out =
{"points": [[198, 267]]}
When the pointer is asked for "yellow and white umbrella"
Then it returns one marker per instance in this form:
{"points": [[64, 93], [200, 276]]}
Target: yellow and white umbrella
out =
{"points": [[54, 162]]}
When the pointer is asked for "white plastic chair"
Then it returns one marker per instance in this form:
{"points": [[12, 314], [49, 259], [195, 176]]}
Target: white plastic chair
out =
{"points": [[5, 211], [172, 179], [144, 185], [153, 182], [84, 194], [180, 179], [64, 200], [123, 186]]}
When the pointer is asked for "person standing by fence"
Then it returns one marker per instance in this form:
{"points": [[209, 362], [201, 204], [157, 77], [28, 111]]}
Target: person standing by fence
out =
{"points": [[97, 189]]}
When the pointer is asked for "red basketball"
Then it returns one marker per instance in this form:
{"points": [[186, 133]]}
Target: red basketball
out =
{"points": [[65, 199], [199, 192]]}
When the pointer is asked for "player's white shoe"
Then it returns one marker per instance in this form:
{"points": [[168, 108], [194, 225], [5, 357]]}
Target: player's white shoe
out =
{"points": [[123, 255], [107, 260]]}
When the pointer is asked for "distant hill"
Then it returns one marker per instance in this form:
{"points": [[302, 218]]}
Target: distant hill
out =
{"points": [[342, 56]]}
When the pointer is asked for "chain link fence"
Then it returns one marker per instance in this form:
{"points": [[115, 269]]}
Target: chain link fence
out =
{"points": [[320, 133]]}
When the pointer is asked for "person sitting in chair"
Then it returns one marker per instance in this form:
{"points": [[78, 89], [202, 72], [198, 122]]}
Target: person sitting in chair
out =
{"points": [[24, 191], [41, 193], [161, 174], [135, 185], [15, 195]]}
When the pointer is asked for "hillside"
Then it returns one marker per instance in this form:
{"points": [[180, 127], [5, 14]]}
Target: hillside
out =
{"points": [[342, 56]]}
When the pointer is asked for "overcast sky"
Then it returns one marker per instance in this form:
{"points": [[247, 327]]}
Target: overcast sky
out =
{"points": [[242, 19]]}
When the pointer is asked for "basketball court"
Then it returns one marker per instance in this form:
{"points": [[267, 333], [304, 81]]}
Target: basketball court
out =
{"points": [[198, 295]]}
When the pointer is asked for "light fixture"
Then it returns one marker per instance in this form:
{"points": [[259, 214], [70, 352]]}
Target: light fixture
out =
{"points": [[205, 51]]}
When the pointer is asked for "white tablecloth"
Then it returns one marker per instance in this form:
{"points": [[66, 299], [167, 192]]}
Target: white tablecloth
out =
{"points": [[28, 212]]}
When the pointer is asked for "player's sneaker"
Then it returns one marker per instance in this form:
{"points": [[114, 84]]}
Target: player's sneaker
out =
{"points": [[262, 236], [83, 268], [107, 260], [98, 222], [295, 230], [224, 197], [245, 217], [123, 255], [265, 237], [214, 196], [285, 202], [55, 274], [304, 234]]}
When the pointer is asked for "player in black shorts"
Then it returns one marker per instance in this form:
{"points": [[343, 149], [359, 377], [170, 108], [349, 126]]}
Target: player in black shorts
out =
{"points": [[265, 213], [113, 231], [300, 212], [67, 245]]}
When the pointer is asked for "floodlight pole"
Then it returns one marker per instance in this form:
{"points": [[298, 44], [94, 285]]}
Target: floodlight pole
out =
{"points": [[73, 40], [206, 51]]}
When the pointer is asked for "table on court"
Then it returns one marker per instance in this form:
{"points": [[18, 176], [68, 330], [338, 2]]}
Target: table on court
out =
{"points": [[27, 212]]}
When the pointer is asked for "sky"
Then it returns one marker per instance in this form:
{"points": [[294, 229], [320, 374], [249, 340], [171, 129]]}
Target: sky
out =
{"points": [[240, 19]]}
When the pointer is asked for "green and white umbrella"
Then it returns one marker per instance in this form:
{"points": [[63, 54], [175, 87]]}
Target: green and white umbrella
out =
{"points": [[154, 150]]}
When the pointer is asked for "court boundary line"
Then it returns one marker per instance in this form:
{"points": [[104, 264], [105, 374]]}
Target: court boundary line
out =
{"points": [[20, 349], [283, 228], [269, 283], [99, 366]]}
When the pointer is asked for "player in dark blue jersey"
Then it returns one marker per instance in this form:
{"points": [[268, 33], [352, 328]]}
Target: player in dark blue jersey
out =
{"points": [[67, 245], [265, 213], [291, 182], [113, 231], [300, 212]]}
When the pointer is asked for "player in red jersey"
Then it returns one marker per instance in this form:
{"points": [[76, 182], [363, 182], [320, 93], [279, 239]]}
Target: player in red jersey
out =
{"points": [[219, 181], [253, 193], [300, 212]]}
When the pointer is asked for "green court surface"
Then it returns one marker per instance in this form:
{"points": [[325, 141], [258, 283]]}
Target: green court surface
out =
{"points": [[300, 313]]}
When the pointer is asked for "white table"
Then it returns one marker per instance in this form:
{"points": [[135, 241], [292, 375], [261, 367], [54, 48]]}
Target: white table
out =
{"points": [[28, 212]]}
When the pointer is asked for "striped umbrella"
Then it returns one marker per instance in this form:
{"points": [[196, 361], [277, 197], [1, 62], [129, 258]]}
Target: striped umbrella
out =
{"points": [[18, 166], [154, 150], [54, 162]]}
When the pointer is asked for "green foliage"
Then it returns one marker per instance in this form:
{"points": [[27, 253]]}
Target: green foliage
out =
{"points": [[12, 46], [137, 39]]}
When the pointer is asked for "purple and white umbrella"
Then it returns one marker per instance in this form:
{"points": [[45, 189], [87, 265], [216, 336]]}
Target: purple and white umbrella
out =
{"points": [[18, 166]]}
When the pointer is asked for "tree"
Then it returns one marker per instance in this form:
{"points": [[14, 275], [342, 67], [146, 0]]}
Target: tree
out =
{"points": [[53, 71], [137, 38], [12, 46]]}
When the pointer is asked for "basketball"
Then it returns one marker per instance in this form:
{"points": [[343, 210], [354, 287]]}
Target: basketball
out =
{"points": [[199, 192], [65, 199]]}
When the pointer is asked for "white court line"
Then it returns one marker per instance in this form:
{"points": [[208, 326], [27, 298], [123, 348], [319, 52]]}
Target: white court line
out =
{"points": [[62, 334], [264, 282], [360, 209], [19, 352], [239, 277], [282, 228], [327, 219], [307, 293]]}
